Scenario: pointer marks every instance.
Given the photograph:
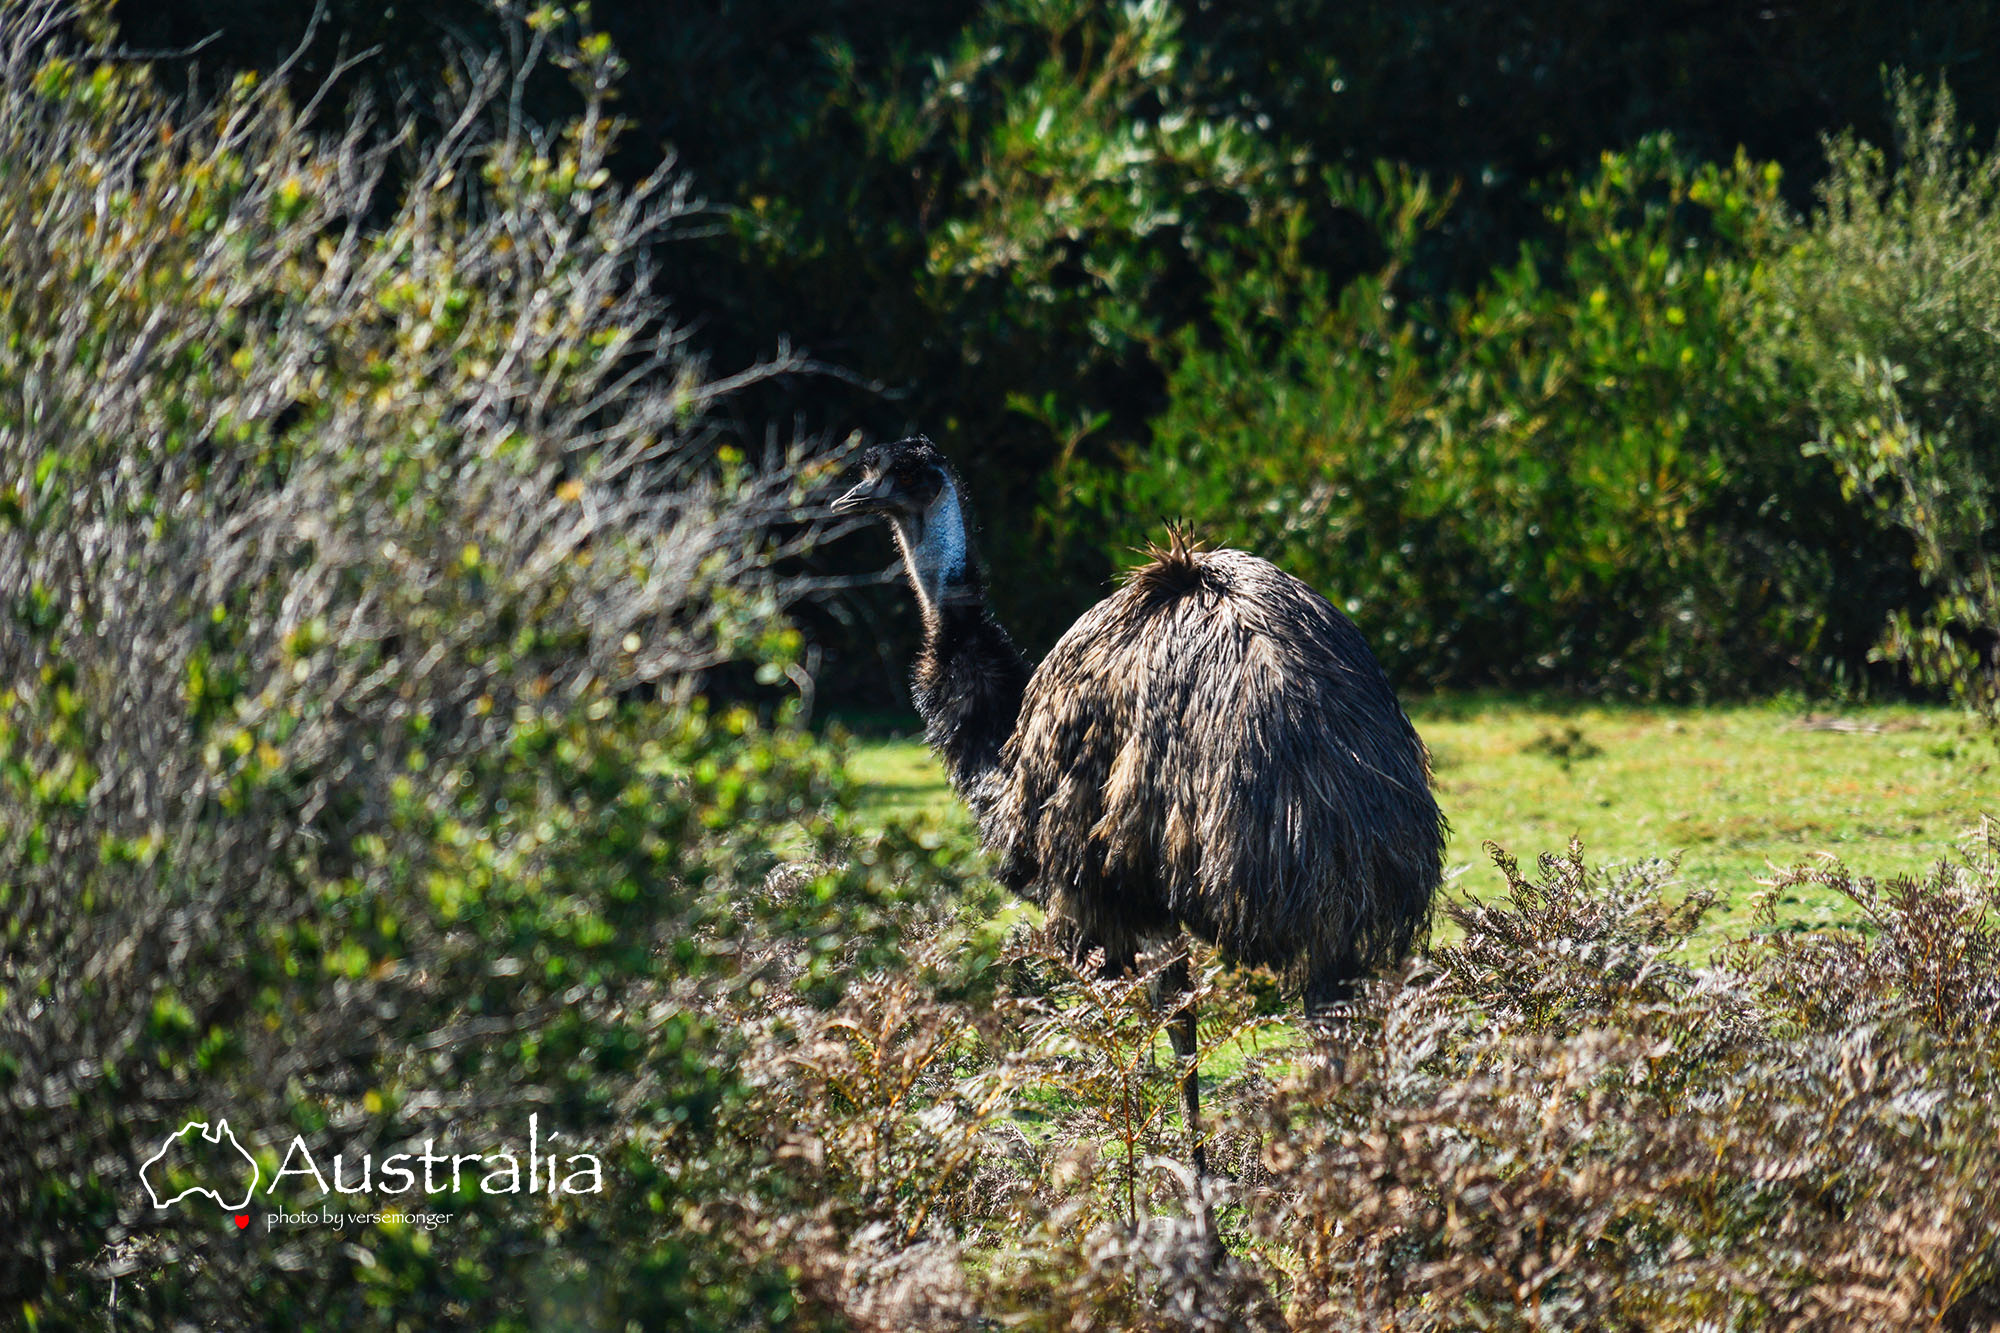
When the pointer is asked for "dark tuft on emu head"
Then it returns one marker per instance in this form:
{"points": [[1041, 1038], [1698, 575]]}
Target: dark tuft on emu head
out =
{"points": [[1175, 567], [897, 480]]}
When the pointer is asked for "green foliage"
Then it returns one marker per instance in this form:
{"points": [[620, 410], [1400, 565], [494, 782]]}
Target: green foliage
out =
{"points": [[1074, 184], [1532, 485], [1890, 300], [366, 538], [1089, 176], [1565, 477]]}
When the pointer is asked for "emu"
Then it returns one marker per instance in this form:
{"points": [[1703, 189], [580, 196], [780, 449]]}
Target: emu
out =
{"points": [[1212, 749]]}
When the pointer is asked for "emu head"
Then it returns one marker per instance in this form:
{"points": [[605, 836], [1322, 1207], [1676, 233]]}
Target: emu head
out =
{"points": [[911, 485], [900, 480]]}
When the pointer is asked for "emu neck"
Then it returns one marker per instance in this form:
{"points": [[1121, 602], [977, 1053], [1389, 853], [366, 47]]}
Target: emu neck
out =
{"points": [[938, 555], [969, 677]]}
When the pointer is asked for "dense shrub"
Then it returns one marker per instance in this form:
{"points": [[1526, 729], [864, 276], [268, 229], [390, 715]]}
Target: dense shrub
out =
{"points": [[362, 536], [1576, 475], [1890, 303], [1078, 191]]}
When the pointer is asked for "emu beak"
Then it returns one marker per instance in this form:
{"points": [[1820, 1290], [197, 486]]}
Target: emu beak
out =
{"points": [[866, 498]]}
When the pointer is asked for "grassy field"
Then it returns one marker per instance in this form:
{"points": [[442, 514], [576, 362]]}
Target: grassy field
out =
{"points": [[1735, 791]]}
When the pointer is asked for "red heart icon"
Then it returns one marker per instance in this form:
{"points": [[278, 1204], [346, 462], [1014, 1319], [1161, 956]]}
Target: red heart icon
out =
{"points": [[242, 1220]]}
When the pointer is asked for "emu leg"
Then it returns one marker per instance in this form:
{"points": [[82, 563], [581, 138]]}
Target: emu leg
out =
{"points": [[1331, 986], [1174, 981]]}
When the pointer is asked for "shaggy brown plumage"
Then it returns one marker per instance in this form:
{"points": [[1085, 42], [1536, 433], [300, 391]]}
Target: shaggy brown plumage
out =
{"points": [[1211, 748], [1214, 747]]}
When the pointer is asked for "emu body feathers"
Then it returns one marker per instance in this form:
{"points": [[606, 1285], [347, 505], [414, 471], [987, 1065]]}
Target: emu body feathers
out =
{"points": [[1213, 746]]}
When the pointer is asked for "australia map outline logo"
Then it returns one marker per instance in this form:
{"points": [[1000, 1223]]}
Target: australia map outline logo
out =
{"points": [[189, 1141]]}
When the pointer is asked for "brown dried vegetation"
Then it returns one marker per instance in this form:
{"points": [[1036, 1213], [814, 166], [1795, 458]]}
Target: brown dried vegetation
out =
{"points": [[1557, 1121]]}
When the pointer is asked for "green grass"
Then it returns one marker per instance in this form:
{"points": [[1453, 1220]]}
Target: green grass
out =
{"points": [[1736, 791]]}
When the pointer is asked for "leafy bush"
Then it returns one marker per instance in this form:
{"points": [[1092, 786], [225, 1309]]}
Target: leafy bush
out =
{"points": [[1569, 477], [363, 536], [1890, 300], [1075, 183]]}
